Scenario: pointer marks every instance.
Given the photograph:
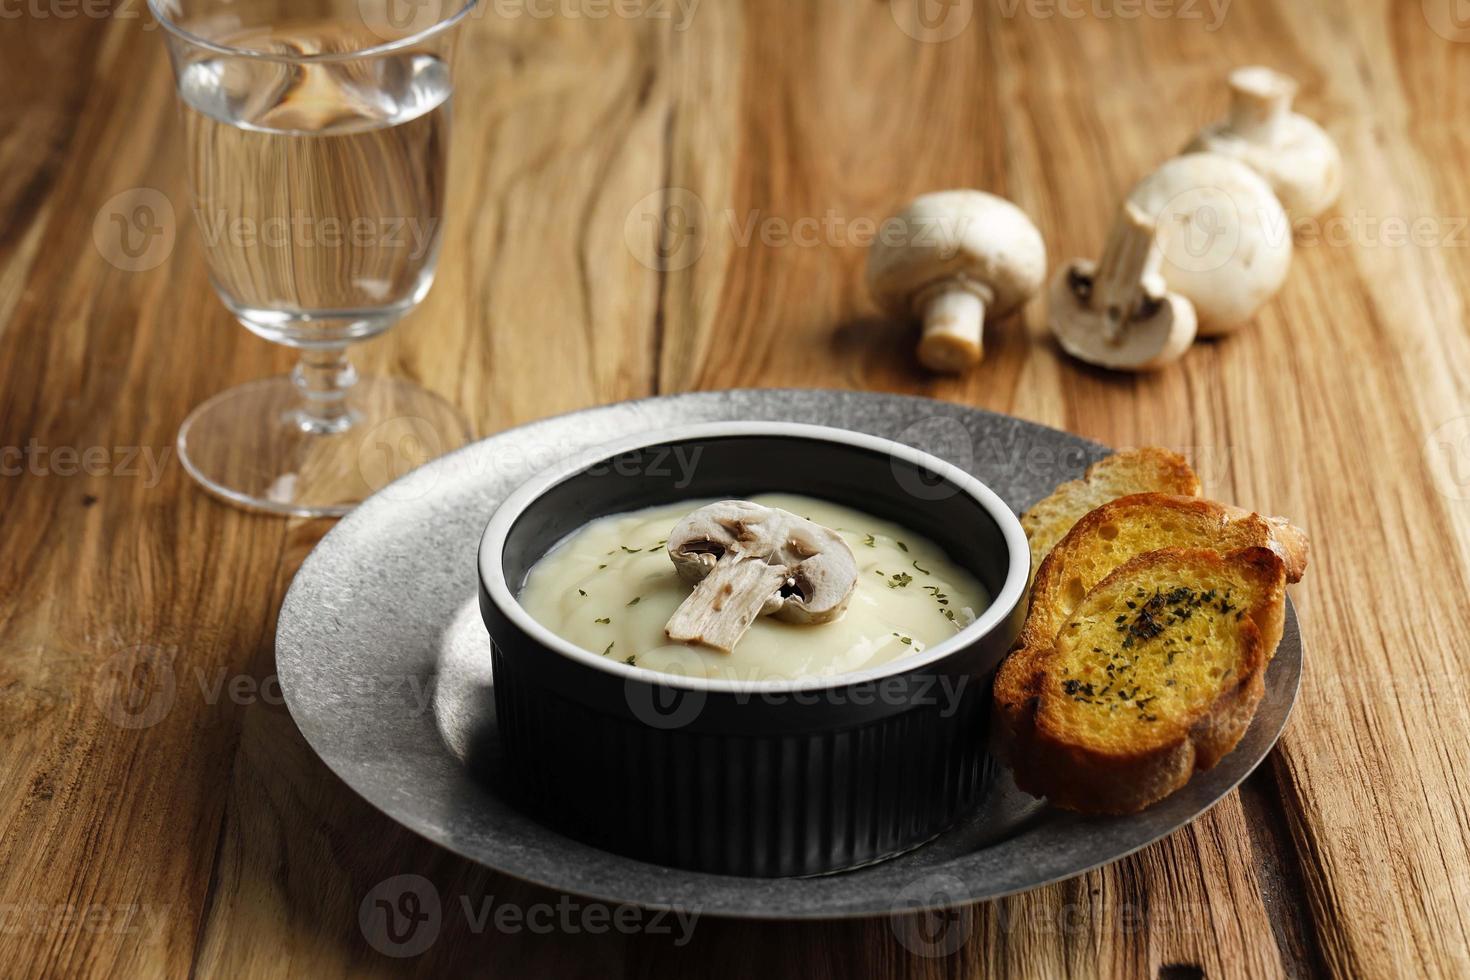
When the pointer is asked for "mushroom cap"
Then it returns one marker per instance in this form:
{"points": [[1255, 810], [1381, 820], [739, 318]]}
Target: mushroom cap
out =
{"points": [[703, 536], [821, 567], [1230, 244], [965, 236], [1147, 342], [1295, 155], [1303, 166]]}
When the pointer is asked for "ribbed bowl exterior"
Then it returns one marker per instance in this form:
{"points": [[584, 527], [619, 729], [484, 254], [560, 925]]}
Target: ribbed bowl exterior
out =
{"points": [[737, 803], [763, 778]]}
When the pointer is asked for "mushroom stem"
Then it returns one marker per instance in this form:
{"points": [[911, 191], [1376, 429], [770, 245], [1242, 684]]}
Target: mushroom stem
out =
{"points": [[1260, 102], [954, 318], [1132, 253], [726, 601]]}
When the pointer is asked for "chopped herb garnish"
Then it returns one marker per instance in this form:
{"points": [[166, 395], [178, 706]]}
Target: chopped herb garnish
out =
{"points": [[635, 600], [870, 541], [632, 660], [631, 551], [921, 568], [603, 621], [601, 567], [609, 648], [582, 592], [901, 545], [899, 580]]}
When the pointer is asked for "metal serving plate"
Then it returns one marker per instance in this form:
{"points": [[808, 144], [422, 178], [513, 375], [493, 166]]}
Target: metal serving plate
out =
{"points": [[385, 665]]}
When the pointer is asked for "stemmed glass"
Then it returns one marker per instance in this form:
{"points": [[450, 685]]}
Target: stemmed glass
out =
{"points": [[318, 134]]}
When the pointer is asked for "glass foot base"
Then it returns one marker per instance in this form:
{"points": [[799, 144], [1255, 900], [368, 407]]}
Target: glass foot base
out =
{"points": [[254, 447]]}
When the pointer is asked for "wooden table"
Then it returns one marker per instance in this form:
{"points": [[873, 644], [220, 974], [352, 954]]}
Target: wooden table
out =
{"points": [[214, 841]]}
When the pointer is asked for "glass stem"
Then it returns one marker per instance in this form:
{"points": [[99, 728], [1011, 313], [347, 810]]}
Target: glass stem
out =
{"points": [[324, 377]]}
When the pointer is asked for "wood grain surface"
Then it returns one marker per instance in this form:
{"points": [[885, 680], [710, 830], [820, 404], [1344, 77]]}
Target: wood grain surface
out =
{"points": [[210, 839]]}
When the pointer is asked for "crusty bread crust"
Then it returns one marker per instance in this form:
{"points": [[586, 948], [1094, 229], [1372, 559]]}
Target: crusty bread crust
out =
{"points": [[1060, 585], [1132, 471], [1051, 760]]}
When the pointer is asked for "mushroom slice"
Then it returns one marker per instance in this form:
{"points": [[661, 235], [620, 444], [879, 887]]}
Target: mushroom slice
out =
{"points": [[823, 573], [750, 561], [1117, 313]]}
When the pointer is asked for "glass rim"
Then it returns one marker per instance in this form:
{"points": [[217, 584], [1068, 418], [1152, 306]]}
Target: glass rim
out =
{"points": [[387, 47]]}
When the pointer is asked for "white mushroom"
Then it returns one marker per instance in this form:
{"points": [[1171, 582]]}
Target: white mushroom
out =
{"points": [[1228, 242], [1116, 313], [749, 561], [1295, 155], [956, 259]]}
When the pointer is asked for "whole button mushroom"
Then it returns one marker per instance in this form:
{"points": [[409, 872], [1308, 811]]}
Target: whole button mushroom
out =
{"points": [[749, 561], [1117, 313], [955, 259], [1295, 155], [1228, 243]]}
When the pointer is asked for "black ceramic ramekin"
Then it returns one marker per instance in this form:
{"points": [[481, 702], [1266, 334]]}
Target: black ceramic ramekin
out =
{"points": [[750, 778]]}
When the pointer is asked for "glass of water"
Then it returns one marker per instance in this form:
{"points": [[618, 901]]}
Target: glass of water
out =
{"points": [[318, 135]]}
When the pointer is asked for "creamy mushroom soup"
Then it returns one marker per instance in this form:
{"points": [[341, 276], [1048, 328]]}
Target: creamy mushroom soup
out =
{"points": [[611, 587]]}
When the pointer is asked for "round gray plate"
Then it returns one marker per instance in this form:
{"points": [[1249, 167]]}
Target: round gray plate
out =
{"points": [[386, 668]]}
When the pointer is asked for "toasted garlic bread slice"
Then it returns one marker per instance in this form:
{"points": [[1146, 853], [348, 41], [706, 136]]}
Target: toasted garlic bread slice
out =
{"points": [[1134, 471], [1111, 535], [1156, 674]]}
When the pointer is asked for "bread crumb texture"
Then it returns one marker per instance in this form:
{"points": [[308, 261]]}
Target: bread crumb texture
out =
{"points": [[1148, 654]]}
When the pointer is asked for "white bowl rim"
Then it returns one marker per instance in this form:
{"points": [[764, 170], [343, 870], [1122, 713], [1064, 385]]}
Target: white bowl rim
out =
{"points": [[492, 575]]}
